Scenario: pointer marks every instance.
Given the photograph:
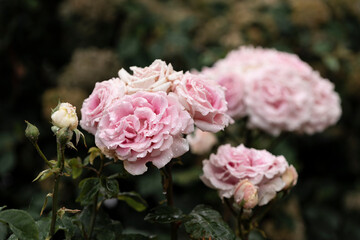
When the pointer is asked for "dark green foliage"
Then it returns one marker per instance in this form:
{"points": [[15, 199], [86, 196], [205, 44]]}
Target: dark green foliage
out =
{"points": [[205, 223], [21, 224], [165, 214]]}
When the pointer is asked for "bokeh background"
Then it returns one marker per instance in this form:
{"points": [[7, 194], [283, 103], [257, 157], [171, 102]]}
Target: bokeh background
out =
{"points": [[60, 49]]}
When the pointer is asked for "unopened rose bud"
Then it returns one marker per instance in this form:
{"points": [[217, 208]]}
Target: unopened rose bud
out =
{"points": [[32, 132], [65, 116], [290, 177], [246, 194]]}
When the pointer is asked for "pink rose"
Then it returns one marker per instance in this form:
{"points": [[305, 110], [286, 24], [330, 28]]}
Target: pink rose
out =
{"points": [[250, 59], [278, 99], [325, 108], [157, 77], [103, 95], [227, 75], [205, 101], [201, 142], [144, 127], [290, 177], [246, 194], [230, 165]]}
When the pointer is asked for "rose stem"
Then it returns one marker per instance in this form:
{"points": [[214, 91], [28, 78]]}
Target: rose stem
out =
{"points": [[41, 154], [60, 165], [94, 211], [240, 226], [168, 188]]}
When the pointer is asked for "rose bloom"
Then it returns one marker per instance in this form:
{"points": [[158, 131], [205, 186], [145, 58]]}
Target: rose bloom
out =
{"points": [[144, 127], [103, 95], [201, 142], [246, 194], [205, 101], [249, 59], [157, 77], [325, 109], [65, 116], [227, 75], [230, 165], [278, 99]]}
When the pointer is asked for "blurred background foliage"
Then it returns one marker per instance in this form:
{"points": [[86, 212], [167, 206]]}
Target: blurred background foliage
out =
{"points": [[60, 49]]}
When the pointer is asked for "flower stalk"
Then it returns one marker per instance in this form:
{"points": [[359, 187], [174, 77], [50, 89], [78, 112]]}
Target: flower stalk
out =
{"points": [[167, 182], [95, 202], [60, 165]]}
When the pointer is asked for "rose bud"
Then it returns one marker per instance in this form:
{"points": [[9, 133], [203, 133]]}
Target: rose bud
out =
{"points": [[65, 116], [246, 194], [32, 132], [290, 177]]}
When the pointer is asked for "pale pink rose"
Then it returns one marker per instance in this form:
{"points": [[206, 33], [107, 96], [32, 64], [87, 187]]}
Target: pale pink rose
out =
{"points": [[201, 142], [228, 76], [144, 127], [246, 194], [65, 116], [325, 108], [225, 169], [290, 177], [249, 59], [205, 101], [157, 77], [278, 99], [103, 95]]}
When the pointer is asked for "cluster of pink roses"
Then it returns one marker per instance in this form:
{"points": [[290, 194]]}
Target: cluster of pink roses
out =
{"points": [[276, 90], [252, 177], [141, 117]]}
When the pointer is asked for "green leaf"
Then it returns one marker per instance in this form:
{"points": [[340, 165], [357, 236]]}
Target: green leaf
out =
{"points": [[65, 223], [79, 134], [109, 187], [45, 202], [105, 228], [44, 227], [134, 200], [13, 237], [164, 214], [89, 187], [20, 223], [3, 230], [1, 208], [76, 167], [44, 175], [205, 223], [94, 153]]}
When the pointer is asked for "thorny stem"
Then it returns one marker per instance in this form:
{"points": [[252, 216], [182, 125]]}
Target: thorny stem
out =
{"points": [[94, 211], [168, 189], [60, 165]]}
